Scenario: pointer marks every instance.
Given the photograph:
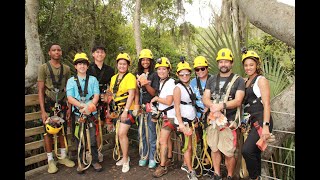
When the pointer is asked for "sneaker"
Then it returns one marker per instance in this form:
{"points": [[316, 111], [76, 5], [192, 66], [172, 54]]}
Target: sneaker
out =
{"points": [[67, 162], [52, 168], [97, 167], [216, 177], [207, 172], [192, 175], [152, 164], [160, 171], [125, 167], [142, 162], [184, 168], [120, 162], [229, 178]]}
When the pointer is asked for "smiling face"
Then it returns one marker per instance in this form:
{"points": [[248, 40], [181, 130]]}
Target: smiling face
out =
{"points": [[99, 55], [184, 75], [81, 66], [163, 72], [201, 71], [122, 66], [250, 66], [145, 63], [224, 66]]}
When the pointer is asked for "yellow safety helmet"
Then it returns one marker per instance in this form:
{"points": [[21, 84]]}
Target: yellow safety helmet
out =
{"points": [[248, 54], [200, 61], [224, 54], [124, 56], [82, 56], [163, 62], [146, 53], [51, 129], [183, 65]]}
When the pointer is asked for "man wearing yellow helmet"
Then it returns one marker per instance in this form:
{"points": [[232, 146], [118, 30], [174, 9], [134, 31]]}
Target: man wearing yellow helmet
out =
{"points": [[198, 84], [83, 89], [147, 83], [223, 96], [257, 102], [52, 79], [123, 86]]}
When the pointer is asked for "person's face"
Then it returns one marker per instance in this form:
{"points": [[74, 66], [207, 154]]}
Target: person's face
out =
{"points": [[99, 55], [81, 67], [224, 66], [250, 66], [55, 52], [145, 63], [184, 75], [201, 71], [123, 66], [163, 72]]}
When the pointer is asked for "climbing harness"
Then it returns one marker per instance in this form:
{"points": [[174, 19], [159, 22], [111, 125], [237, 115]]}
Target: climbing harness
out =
{"points": [[143, 118]]}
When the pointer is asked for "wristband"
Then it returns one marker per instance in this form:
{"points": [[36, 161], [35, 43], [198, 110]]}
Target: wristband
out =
{"points": [[125, 109], [266, 123], [224, 106]]}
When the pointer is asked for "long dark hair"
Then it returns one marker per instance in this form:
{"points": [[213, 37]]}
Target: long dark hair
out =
{"points": [[151, 67]]}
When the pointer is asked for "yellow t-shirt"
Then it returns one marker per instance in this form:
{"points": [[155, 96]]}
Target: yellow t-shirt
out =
{"points": [[127, 83]]}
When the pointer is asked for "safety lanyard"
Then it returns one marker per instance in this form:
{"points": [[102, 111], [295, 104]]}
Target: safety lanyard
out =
{"points": [[54, 82], [117, 83], [221, 91], [85, 92]]}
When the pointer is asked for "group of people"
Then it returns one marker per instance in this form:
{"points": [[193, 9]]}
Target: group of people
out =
{"points": [[153, 98]]}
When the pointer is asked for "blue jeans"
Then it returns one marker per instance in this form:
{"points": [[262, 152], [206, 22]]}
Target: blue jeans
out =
{"points": [[152, 137], [93, 141]]}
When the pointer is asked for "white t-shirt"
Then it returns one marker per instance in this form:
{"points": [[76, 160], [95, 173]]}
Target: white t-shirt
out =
{"points": [[187, 110], [256, 89], [167, 90]]}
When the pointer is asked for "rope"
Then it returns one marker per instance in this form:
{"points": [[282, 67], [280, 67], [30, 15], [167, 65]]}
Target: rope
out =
{"points": [[82, 141], [143, 118], [158, 129], [116, 149], [194, 151], [56, 143], [243, 169], [100, 133], [204, 152]]}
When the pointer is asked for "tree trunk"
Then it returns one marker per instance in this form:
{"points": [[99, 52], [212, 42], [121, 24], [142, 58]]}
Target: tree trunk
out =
{"points": [[274, 18], [35, 55], [136, 26]]}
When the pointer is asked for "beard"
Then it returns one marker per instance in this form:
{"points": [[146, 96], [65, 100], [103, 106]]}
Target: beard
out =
{"points": [[224, 69]]}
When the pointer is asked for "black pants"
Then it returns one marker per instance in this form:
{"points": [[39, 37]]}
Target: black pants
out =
{"points": [[251, 153]]}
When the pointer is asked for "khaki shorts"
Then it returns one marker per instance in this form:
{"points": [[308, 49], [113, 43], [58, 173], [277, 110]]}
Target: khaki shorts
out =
{"points": [[221, 140]]}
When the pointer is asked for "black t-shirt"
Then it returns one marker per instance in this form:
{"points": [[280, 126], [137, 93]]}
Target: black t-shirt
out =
{"points": [[237, 85], [145, 95], [103, 75]]}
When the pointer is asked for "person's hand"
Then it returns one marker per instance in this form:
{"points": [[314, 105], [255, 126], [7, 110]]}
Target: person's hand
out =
{"points": [[135, 110], [265, 135], [102, 97], [44, 117], [154, 99], [124, 116], [182, 127], [83, 107], [216, 107]]}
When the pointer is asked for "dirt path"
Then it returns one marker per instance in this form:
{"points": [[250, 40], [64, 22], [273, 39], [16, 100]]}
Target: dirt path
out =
{"points": [[111, 171]]}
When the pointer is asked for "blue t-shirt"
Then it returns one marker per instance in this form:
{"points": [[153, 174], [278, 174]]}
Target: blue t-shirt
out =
{"points": [[72, 88], [195, 89]]}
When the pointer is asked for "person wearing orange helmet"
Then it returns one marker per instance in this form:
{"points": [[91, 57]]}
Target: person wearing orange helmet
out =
{"points": [[223, 96], [82, 91], [52, 79], [257, 104]]}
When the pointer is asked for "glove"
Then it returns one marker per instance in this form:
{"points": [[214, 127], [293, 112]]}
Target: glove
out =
{"points": [[136, 109]]}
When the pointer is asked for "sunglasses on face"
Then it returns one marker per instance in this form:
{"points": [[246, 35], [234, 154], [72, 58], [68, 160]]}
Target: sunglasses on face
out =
{"points": [[198, 69], [184, 74]]}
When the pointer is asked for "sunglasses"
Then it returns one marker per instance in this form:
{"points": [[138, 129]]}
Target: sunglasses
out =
{"points": [[198, 69], [184, 74]]}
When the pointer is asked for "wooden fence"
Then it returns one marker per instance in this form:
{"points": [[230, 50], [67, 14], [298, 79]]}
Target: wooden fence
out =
{"points": [[35, 155]]}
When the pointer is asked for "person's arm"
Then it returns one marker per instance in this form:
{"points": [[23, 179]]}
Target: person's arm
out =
{"points": [[176, 101], [263, 85], [41, 95], [130, 99]]}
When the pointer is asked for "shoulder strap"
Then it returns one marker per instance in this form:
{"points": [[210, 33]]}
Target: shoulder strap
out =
{"points": [[85, 92], [199, 84], [163, 85], [117, 83], [191, 94], [234, 78], [54, 82]]}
